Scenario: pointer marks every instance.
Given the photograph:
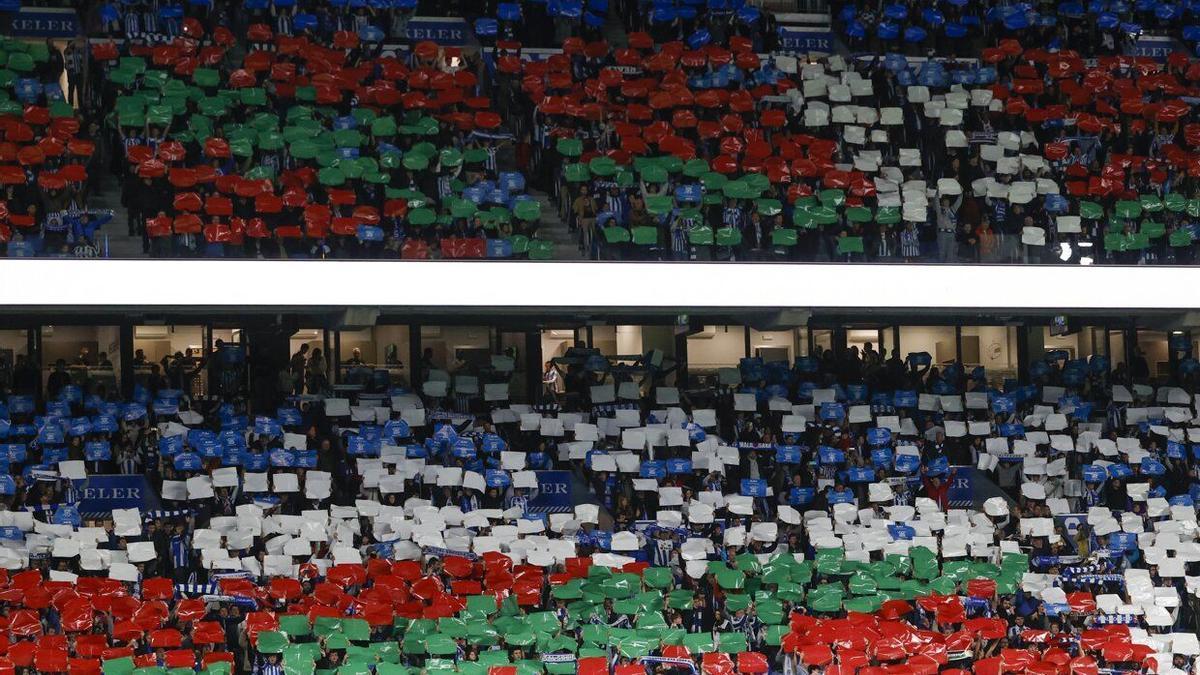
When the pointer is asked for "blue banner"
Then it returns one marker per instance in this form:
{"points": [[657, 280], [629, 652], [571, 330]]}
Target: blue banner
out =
{"points": [[788, 454], [881, 457], [95, 451], [45, 22], [553, 492], [801, 496], [464, 448], [447, 31], [497, 478], [907, 463], [188, 461], [654, 469], [1157, 47], [831, 412], [169, 446], [845, 496], [861, 475], [267, 427], [397, 429], [754, 487], [1094, 474], [14, 452], [305, 459], [20, 405], [679, 466], [960, 491], [281, 458], [803, 39], [828, 455], [105, 492], [358, 446], [255, 461]]}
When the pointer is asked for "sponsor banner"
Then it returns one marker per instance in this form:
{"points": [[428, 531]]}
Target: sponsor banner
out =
{"points": [[1157, 47], [805, 39], [45, 22], [553, 493], [960, 492], [446, 31], [105, 492]]}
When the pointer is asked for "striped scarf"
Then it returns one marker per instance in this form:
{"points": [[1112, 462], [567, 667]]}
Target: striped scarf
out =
{"points": [[732, 216]]}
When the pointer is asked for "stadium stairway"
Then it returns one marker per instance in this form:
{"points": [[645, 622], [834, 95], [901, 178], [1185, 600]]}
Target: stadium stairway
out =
{"points": [[984, 488], [116, 232], [581, 493], [552, 228]]}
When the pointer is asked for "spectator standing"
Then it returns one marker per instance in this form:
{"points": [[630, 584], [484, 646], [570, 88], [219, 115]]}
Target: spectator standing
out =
{"points": [[947, 228]]}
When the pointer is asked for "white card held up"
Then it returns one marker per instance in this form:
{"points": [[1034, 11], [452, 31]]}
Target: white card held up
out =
{"points": [[627, 418], [979, 428], [793, 424], [629, 391], [586, 432], [73, 469], [436, 388], [666, 396], [604, 393], [633, 439], [127, 522], [531, 421], [744, 403], [286, 482], [628, 462], [337, 407], [977, 400], [1068, 224], [678, 438], [199, 487], [552, 428], [141, 551], [495, 392], [123, 572], [1032, 236], [706, 418], [603, 463], [951, 403], [255, 481], [859, 414], [670, 496], [474, 481], [414, 417], [225, 477]]}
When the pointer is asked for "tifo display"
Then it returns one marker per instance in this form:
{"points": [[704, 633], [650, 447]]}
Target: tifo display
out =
{"points": [[686, 133], [891, 516]]}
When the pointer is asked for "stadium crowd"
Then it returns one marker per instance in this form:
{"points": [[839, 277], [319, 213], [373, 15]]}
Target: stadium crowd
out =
{"points": [[805, 517], [291, 130]]}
